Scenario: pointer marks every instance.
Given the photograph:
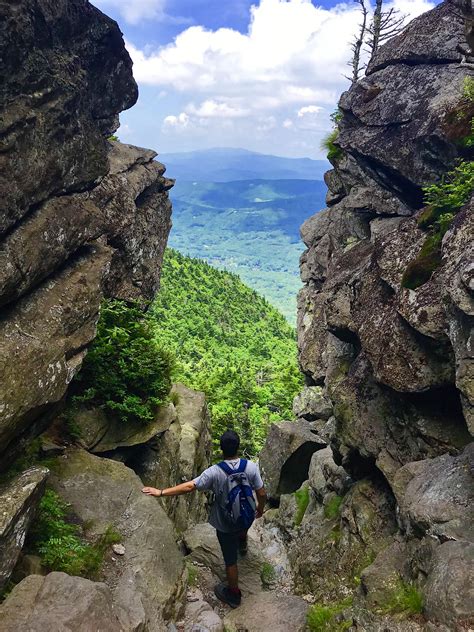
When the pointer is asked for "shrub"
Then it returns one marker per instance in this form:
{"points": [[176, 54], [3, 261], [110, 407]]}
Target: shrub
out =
{"points": [[59, 543], [468, 89], [334, 152], [302, 502], [333, 507], [125, 371], [443, 200], [449, 195]]}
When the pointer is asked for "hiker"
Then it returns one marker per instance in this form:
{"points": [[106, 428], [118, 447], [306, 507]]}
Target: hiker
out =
{"points": [[233, 511]]}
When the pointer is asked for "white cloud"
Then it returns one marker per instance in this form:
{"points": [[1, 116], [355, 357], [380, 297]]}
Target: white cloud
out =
{"points": [[134, 11], [214, 109], [182, 120], [309, 109], [291, 61]]}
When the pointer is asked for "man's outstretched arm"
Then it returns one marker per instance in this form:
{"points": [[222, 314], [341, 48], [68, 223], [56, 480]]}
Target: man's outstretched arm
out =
{"points": [[261, 500], [184, 488]]}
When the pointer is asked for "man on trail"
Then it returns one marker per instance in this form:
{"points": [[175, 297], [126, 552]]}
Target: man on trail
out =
{"points": [[233, 482]]}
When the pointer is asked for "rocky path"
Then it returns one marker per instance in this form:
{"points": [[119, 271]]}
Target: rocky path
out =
{"points": [[268, 603]]}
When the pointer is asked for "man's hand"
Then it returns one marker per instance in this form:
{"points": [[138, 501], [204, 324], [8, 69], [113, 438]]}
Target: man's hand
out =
{"points": [[151, 491], [261, 500]]}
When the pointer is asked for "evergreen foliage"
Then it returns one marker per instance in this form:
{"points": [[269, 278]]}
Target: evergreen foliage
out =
{"points": [[125, 371], [444, 200], [230, 343], [334, 152]]}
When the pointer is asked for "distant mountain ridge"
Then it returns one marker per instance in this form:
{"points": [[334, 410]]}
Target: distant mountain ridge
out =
{"points": [[248, 227], [230, 164]]}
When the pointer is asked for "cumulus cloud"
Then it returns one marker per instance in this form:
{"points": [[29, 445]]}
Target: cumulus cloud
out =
{"points": [[215, 109], [182, 120], [288, 68], [309, 109]]}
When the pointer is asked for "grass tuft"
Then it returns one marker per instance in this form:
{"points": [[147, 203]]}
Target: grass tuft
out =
{"points": [[407, 600], [323, 618]]}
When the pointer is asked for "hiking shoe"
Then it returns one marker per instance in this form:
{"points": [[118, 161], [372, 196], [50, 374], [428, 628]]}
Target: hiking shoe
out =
{"points": [[243, 546], [223, 593]]}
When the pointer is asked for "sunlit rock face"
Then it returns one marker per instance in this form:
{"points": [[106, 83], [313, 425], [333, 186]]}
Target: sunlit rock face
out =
{"points": [[80, 217]]}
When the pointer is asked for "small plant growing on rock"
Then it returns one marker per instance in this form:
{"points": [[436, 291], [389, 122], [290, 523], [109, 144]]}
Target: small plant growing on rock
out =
{"points": [[193, 575], [57, 539], [406, 600], [302, 502], [324, 618], [328, 143], [125, 371], [444, 200], [267, 575], [333, 507]]}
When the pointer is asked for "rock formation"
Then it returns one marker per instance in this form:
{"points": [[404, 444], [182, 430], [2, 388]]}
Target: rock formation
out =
{"points": [[81, 217], [387, 505]]}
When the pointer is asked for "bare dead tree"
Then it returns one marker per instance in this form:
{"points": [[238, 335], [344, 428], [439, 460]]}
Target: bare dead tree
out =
{"points": [[357, 44], [383, 26]]}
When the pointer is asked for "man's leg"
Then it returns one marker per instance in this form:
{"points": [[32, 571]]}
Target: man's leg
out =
{"points": [[233, 577], [230, 593], [243, 543]]}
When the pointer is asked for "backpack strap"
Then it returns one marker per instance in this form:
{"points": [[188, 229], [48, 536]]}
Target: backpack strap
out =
{"points": [[228, 470], [242, 466]]}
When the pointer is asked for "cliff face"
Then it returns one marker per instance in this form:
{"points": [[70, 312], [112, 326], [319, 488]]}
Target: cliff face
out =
{"points": [[396, 363], [80, 217], [384, 513]]}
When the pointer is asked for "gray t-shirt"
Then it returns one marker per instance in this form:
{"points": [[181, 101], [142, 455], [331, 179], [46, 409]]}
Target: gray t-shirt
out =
{"points": [[214, 479]]}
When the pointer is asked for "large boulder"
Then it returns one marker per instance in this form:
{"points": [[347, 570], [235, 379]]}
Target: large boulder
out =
{"points": [[326, 477], [268, 612], [66, 76], [101, 432], [449, 591], [311, 404], [58, 603], [148, 582], [180, 454], [81, 218], [286, 456], [18, 503], [342, 536], [435, 496]]}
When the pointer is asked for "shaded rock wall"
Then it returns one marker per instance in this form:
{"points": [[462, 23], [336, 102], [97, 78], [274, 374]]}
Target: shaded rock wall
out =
{"points": [[80, 217], [395, 365]]}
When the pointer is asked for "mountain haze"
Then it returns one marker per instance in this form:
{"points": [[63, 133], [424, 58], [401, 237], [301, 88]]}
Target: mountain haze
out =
{"points": [[228, 164]]}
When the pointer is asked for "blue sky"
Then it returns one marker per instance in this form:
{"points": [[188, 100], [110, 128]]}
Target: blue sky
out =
{"points": [[262, 75]]}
